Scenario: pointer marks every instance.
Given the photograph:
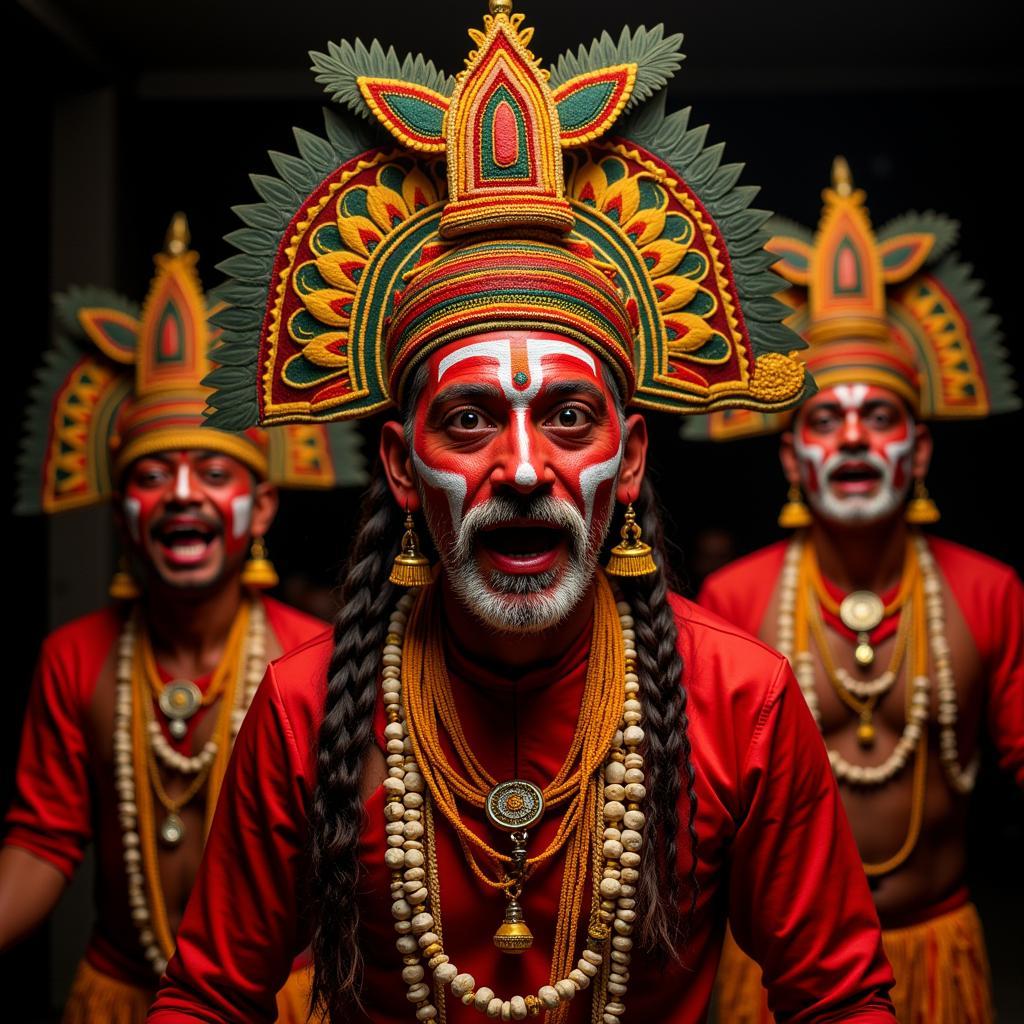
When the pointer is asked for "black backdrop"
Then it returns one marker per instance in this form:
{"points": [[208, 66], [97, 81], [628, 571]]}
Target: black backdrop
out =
{"points": [[925, 131]]}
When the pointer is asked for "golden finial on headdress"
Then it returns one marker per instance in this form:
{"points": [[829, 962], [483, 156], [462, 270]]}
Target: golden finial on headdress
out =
{"points": [[500, 7], [177, 235], [842, 178]]}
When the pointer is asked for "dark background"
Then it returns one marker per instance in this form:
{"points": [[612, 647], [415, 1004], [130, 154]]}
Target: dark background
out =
{"points": [[120, 113]]}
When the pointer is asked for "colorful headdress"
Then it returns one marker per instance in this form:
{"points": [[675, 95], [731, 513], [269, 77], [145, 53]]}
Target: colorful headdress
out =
{"points": [[120, 383], [500, 199], [894, 309]]}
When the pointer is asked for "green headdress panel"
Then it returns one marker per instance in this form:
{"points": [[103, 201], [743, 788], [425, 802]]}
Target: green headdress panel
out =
{"points": [[580, 157]]}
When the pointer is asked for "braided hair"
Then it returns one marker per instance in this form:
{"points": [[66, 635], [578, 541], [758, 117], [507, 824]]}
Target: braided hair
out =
{"points": [[667, 762], [366, 600], [346, 733]]}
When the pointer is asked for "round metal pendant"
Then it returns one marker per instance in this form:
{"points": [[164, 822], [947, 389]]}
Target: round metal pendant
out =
{"points": [[514, 805], [864, 655], [180, 699], [861, 611], [172, 829]]}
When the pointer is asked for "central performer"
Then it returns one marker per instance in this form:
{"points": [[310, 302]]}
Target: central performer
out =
{"points": [[532, 780]]}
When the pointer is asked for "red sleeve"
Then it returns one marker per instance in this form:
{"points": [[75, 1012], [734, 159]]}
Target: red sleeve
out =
{"points": [[1005, 668], [241, 931], [51, 813], [798, 899]]}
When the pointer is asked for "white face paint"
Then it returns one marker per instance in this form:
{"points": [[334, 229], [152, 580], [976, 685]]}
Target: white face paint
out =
{"points": [[500, 350], [182, 485], [241, 515], [820, 461], [132, 510]]}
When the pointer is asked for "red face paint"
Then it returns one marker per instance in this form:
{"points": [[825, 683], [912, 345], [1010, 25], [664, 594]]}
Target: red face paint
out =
{"points": [[854, 444], [516, 414], [188, 514]]}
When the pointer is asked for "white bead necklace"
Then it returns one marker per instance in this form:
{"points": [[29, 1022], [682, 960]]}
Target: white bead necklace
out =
{"points": [[962, 780], [415, 903], [254, 662]]}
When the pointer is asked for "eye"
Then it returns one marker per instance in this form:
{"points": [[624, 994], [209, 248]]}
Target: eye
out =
{"points": [[572, 419], [465, 422], [468, 420], [822, 421]]}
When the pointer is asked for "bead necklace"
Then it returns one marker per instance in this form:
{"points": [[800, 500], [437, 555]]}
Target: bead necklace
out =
{"points": [[615, 843], [926, 630], [135, 770]]}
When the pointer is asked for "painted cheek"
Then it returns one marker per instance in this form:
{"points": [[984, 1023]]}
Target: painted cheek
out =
{"points": [[234, 506], [811, 455], [141, 506]]}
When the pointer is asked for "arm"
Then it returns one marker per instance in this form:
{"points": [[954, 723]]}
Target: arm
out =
{"points": [[798, 900], [49, 822], [29, 890], [240, 931]]}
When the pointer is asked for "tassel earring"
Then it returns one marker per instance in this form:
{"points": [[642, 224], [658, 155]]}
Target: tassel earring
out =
{"points": [[411, 568], [631, 556], [123, 586], [795, 515], [922, 511], [259, 571]]}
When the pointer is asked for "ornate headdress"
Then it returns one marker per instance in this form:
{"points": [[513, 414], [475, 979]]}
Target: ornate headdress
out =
{"points": [[120, 383], [894, 308], [495, 200]]}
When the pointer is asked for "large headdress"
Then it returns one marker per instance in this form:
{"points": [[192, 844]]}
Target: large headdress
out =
{"points": [[502, 198], [894, 308], [121, 382]]}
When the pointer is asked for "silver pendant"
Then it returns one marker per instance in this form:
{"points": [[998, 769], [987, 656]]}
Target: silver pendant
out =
{"points": [[179, 700], [172, 829], [861, 611], [514, 805]]}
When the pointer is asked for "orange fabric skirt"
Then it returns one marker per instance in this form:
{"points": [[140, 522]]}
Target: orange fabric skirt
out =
{"points": [[940, 966], [96, 998]]}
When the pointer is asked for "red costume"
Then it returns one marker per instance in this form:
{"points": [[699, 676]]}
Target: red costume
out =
{"points": [[757, 753], [65, 759], [990, 597]]}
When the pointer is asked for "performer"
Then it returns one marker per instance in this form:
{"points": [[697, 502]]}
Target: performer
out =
{"points": [[521, 783], [134, 707], [905, 646]]}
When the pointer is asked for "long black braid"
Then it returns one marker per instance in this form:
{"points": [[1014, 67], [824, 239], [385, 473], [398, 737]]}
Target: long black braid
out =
{"points": [[336, 818], [667, 761]]}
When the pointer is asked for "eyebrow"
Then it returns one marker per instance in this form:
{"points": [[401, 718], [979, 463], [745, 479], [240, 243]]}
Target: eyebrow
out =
{"points": [[560, 388]]}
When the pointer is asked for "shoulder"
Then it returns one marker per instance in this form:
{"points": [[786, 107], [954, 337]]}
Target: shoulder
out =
{"points": [[729, 675], [742, 589], [296, 686], [291, 626], [965, 565], [73, 655]]}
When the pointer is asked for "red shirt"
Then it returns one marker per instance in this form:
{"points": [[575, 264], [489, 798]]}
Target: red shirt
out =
{"points": [[64, 786], [775, 853], [990, 597]]}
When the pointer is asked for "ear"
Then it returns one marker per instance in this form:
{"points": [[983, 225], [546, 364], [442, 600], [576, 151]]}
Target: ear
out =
{"points": [[397, 463], [634, 460], [264, 508], [787, 456], [923, 448]]}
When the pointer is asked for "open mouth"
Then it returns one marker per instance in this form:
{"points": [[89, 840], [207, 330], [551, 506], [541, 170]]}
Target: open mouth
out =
{"points": [[855, 478], [186, 543], [522, 549]]}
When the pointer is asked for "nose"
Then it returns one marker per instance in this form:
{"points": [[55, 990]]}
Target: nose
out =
{"points": [[520, 463], [185, 485], [853, 430]]}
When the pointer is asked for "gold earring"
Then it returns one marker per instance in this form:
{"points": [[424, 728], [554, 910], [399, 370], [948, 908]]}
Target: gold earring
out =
{"points": [[921, 511], [631, 556], [795, 515], [259, 571], [123, 586], [412, 567]]}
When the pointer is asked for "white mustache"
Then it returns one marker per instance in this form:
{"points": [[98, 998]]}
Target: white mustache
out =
{"points": [[840, 460], [500, 511]]}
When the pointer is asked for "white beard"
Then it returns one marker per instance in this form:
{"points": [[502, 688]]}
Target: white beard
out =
{"points": [[522, 603], [854, 509]]}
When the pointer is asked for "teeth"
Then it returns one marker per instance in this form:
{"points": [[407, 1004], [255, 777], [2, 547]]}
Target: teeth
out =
{"points": [[193, 550]]}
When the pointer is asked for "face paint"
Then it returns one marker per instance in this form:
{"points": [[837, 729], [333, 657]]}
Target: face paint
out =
{"points": [[189, 514], [513, 436], [854, 444], [132, 509]]}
